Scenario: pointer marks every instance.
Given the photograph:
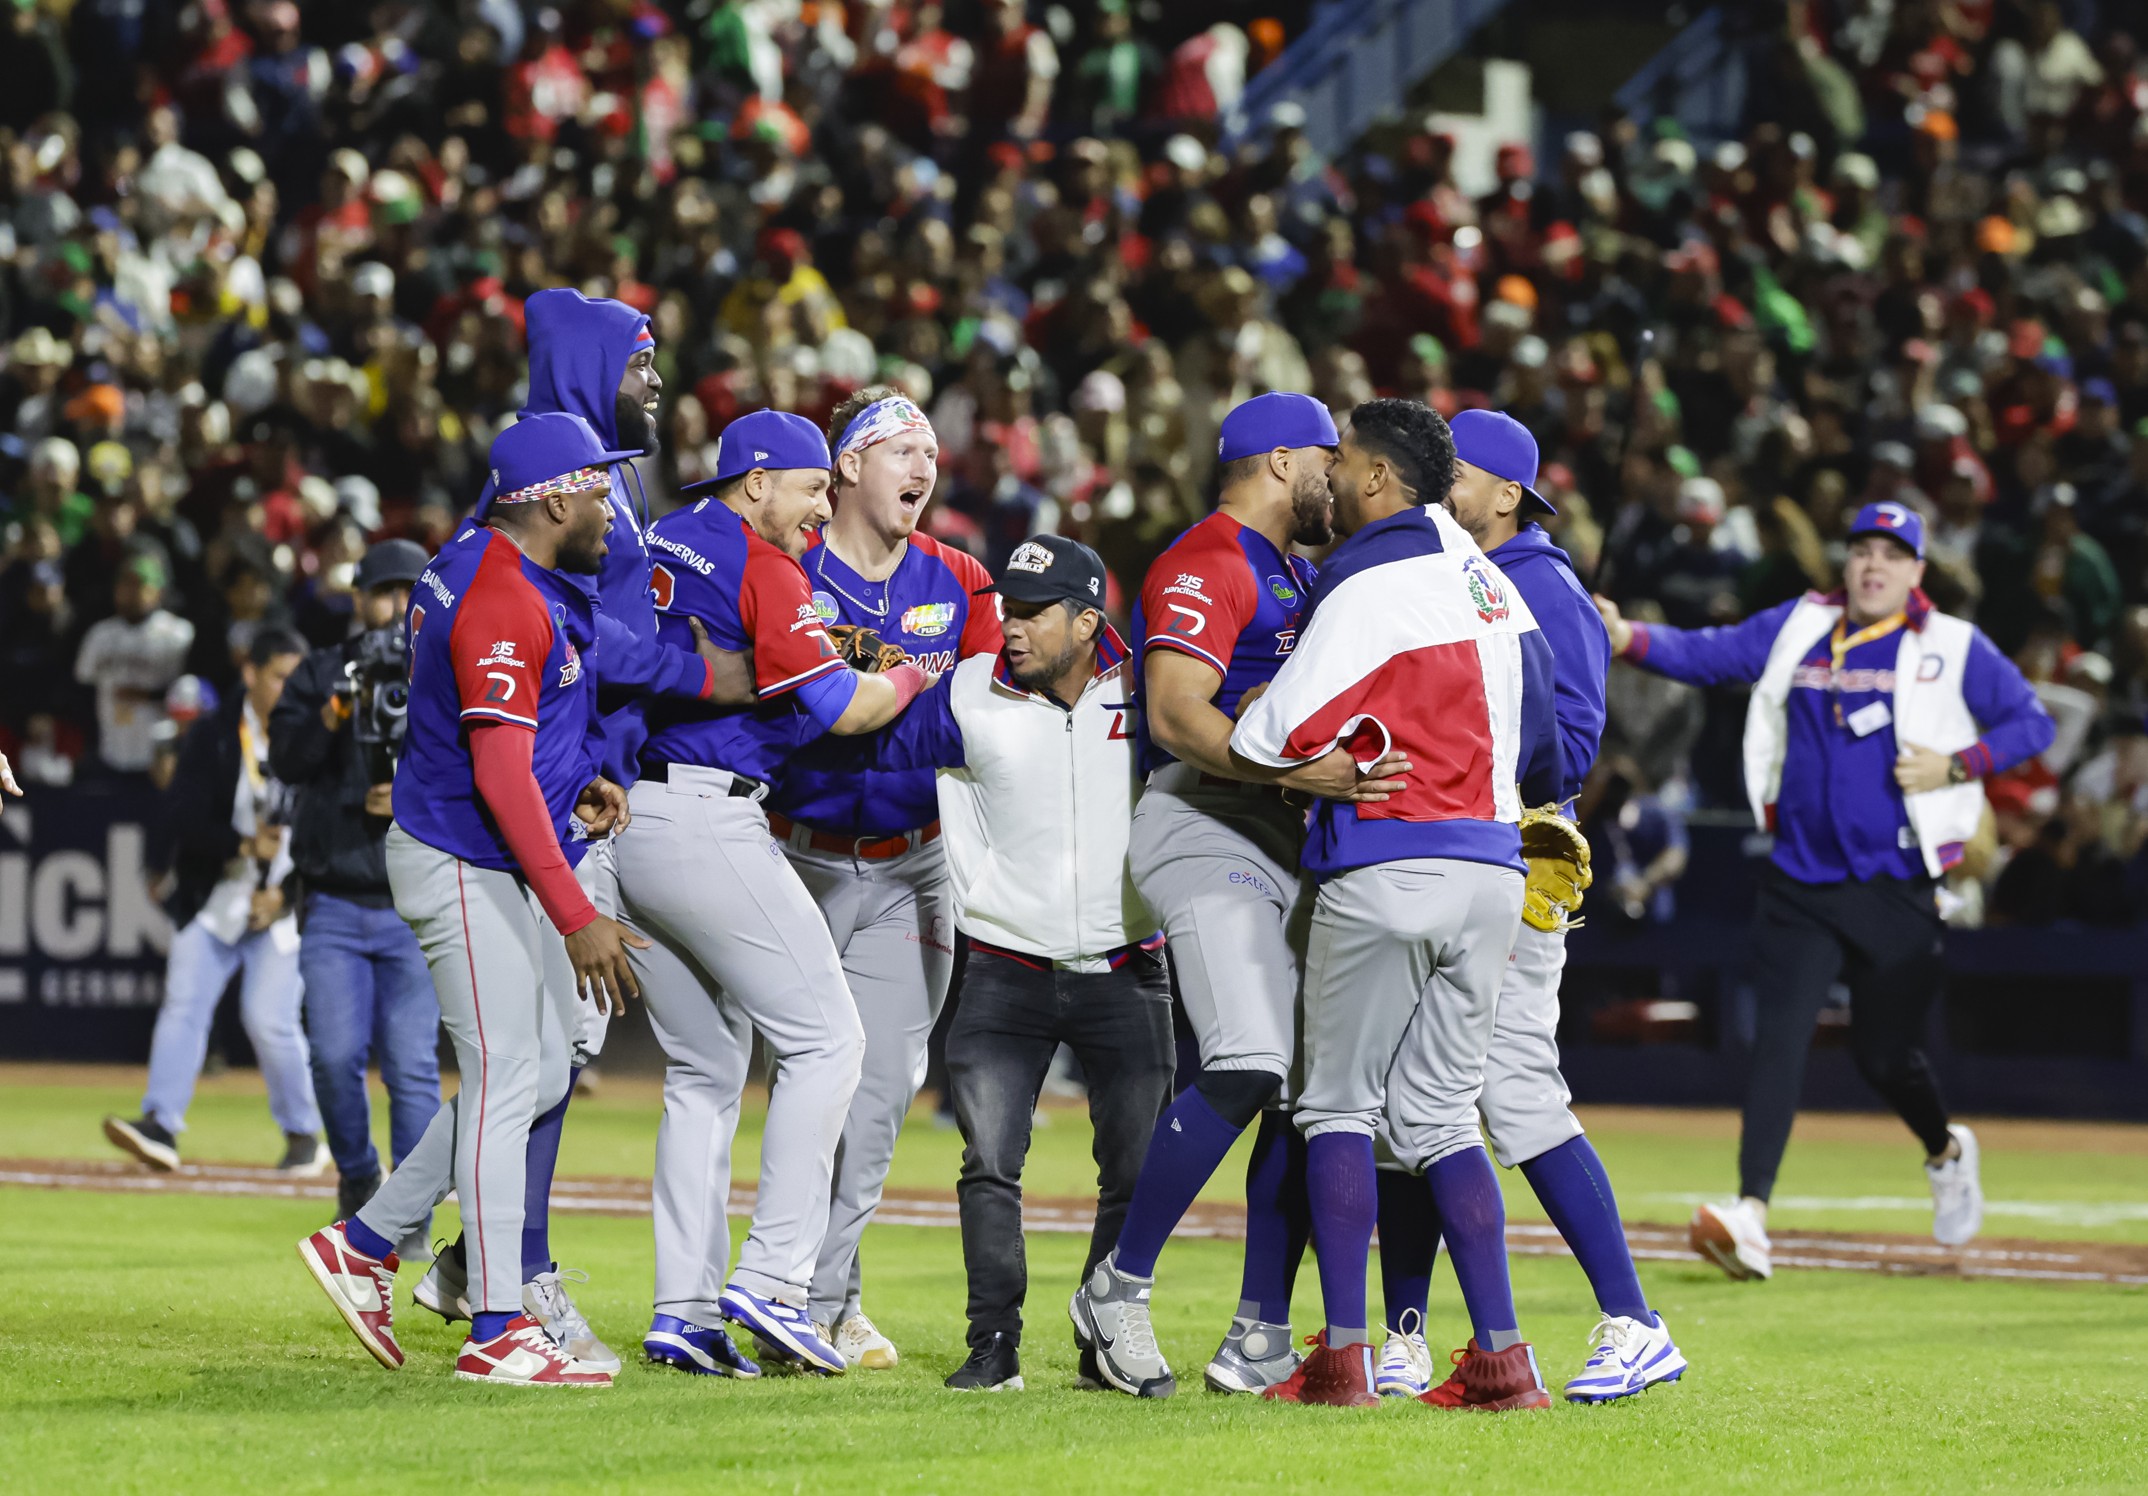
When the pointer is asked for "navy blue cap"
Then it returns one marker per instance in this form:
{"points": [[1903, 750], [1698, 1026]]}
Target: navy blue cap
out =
{"points": [[543, 449], [1047, 568], [1500, 445], [773, 439], [389, 561], [1895, 521], [1266, 422]]}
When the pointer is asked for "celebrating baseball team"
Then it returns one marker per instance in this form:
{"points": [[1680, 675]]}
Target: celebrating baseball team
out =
{"points": [[759, 763]]}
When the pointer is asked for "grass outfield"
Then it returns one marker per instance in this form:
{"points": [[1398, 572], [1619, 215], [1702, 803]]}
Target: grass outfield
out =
{"points": [[166, 1343]]}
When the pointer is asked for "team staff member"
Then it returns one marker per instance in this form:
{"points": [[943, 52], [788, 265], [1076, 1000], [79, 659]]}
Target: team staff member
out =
{"points": [[229, 817], [865, 841], [368, 994], [494, 799], [1873, 719], [1037, 787], [1215, 854], [1524, 1104], [739, 943], [1415, 643]]}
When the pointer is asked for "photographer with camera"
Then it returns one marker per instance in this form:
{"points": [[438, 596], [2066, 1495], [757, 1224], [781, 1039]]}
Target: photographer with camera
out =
{"points": [[334, 738]]}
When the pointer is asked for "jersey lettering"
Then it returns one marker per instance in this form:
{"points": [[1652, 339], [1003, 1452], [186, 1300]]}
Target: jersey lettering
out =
{"points": [[662, 586]]}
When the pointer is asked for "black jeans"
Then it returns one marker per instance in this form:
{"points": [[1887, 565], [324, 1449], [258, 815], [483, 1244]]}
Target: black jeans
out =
{"points": [[1012, 1018], [1882, 939]]}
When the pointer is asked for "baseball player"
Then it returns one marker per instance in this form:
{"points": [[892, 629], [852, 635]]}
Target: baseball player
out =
{"points": [[1872, 719], [1215, 852], [865, 840], [496, 792], [739, 944], [596, 359], [1524, 1104], [1415, 642]]}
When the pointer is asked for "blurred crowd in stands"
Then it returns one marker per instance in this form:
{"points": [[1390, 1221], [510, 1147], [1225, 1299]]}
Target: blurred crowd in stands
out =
{"points": [[261, 271]]}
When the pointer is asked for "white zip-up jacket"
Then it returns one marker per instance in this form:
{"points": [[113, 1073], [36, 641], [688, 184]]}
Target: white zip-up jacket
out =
{"points": [[1036, 805]]}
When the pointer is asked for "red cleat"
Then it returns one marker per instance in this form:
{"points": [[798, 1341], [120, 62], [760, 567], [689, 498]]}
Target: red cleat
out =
{"points": [[522, 1355], [362, 1288], [1491, 1381], [1337, 1376]]}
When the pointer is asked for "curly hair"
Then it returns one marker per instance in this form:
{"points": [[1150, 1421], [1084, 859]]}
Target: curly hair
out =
{"points": [[841, 417], [1414, 438]]}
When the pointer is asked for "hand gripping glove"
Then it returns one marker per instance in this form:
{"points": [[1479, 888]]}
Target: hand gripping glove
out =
{"points": [[862, 649], [1558, 858]]}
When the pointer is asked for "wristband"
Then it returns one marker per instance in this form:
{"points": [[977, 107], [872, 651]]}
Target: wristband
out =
{"points": [[908, 680]]}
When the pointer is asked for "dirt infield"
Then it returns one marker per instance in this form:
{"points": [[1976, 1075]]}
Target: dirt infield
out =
{"points": [[1864, 1252]]}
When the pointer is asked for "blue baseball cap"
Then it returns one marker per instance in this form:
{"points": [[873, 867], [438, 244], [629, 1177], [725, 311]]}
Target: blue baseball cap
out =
{"points": [[1502, 446], [1898, 522], [547, 452], [766, 439], [1266, 422]]}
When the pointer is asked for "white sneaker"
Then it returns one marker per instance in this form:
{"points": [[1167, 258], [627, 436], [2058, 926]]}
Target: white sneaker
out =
{"points": [[1405, 1360], [862, 1344], [1957, 1193], [1629, 1357], [445, 1288], [544, 1299], [1733, 1238]]}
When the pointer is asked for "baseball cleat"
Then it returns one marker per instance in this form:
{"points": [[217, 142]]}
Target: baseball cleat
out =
{"points": [[1957, 1192], [1405, 1368], [362, 1288], [1732, 1237], [1254, 1356], [859, 1341], [352, 1191], [704, 1350], [1111, 1315], [1630, 1356], [1491, 1381], [445, 1288], [544, 1299], [786, 1327], [303, 1157], [995, 1366], [1333, 1376], [522, 1355], [145, 1139]]}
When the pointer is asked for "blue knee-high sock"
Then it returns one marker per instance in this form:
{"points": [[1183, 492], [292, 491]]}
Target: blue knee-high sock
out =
{"points": [[1191, 1138], [366, 1239], [1278, 1221], [537, 1189], [1409, 1241], [1576, 1193], [1339, 1184], [1465, 1191]]}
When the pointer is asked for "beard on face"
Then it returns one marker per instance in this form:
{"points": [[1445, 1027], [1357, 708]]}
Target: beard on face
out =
{"points": [[634, 423], [1312, 518], [1040, 675]]}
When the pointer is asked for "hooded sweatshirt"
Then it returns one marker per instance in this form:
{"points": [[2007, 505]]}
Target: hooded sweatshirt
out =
{"points": [[578, 354], [1580, 645]]}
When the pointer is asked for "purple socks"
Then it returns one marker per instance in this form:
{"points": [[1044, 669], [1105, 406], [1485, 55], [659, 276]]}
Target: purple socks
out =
{"points": [[1576, 1193], [1339, 1184], [1189, 1142], [1473, 1217], [1409, 1240], [537, 1188], [1278, 1220]]}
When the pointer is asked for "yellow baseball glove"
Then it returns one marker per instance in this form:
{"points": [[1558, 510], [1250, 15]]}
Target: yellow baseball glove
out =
{"points": [[1558, 858]]}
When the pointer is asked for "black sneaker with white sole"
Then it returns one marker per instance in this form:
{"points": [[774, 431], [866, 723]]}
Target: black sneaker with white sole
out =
{"points": [[352, 1191], [995, 1366], [144, 1139]]}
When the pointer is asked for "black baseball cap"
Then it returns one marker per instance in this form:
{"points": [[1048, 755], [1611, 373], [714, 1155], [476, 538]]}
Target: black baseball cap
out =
{"points": [[390, 561], [1049, 568]]}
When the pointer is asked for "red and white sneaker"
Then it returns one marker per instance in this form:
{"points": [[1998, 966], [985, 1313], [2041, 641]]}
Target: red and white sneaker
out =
{"points": [[522, 1355], [362, 1288]]}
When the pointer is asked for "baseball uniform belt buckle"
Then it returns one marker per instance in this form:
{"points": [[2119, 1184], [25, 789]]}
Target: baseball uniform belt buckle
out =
{"points": [[871, 849]]}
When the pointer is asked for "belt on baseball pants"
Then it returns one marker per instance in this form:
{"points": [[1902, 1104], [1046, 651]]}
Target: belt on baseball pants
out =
{"points": [[737, 786], [865, 848]]}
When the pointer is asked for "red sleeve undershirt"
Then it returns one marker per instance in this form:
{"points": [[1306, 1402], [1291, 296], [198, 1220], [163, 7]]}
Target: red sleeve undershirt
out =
{"points": [[501, 768]]}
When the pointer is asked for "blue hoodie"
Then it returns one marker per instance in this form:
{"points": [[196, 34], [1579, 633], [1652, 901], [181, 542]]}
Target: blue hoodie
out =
{"points": [[578, 354], [1580, 645]]}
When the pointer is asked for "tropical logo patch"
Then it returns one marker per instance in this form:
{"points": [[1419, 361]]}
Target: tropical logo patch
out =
{"points": [[824, 607], [928, 620], [1282, 590]]}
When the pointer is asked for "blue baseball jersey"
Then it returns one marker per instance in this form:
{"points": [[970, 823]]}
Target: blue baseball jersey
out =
{"points": [[928, 606], [495, 638], [1226, 596], [709, 564]]}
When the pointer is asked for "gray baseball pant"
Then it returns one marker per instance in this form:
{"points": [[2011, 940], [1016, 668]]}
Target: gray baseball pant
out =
{"points": [[598, 873], [892, 921], [1392, 944], [507, 999], [738, 946], [1219, 865]]}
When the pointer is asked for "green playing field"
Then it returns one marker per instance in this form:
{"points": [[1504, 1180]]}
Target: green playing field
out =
{"points": [[173, 1343]]}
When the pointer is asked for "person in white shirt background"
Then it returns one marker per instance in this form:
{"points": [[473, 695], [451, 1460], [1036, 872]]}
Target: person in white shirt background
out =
{"points": [[131, 658]]}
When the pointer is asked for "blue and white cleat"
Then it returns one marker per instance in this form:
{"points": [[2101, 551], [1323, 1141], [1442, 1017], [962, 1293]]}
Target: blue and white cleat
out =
{"points": [[786, 1327], [1630, 1357], [1405, 1360], [703, 1350]]}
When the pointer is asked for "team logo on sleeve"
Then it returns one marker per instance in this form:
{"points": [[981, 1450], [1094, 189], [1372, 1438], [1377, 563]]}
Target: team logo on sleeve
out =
{"points": [[824, 607], [1030, 556], [662, 586], [502, 653], [1486, 593], [928, 620]]}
